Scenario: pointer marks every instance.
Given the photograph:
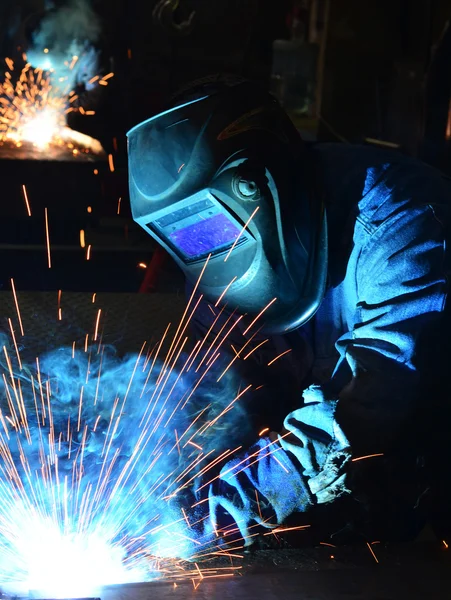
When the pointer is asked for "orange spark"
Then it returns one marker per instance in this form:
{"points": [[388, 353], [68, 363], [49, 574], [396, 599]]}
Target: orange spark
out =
{"points": [[445, 544], [254, 349], [94, 297], [111, 162], [367, 456], [259, 315], [106, 77], [27, 204], [73, 349], [47, 238], [15, 343], [241, 232], [88, 252], [266, 429], [96, 171], [326, 544], [17, 306], [97, 324], [372, 552], [195, 445], [82, 238], [224, 292], [186, 517], [142, 265], [119, 206], [285, 529], [129, 53], [278, 461], [279, 356], [89, 209]]}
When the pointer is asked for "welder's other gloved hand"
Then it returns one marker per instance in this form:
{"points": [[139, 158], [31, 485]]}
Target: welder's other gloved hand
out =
{"points": [[260, 487]]}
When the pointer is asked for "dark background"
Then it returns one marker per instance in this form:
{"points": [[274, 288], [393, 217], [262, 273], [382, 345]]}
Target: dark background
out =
{"points": [[382, 74]]}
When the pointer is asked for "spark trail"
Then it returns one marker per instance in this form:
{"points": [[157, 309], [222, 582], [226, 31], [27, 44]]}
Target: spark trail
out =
{"points": [[93, 450], [33, 109]]}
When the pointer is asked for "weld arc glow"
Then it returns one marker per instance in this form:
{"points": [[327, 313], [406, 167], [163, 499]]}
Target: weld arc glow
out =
{"points": [[93, 451], [34, 102]]}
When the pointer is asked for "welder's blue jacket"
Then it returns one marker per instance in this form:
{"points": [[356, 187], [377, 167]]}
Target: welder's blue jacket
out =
{"points": [[368, 343]]}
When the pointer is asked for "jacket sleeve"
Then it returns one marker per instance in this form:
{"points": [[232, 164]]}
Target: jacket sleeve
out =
{"points": [[366, 407]]}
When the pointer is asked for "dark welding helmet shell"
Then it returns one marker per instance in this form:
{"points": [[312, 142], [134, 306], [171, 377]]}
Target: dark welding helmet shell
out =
{"points": [[202, 170]]}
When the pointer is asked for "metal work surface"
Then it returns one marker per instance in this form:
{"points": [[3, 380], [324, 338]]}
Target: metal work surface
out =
{"points": [[127, 319], [282, 570], [416, 572]]}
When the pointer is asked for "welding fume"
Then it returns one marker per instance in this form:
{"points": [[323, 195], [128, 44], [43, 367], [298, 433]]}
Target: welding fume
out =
{"points": [[341, 251]]}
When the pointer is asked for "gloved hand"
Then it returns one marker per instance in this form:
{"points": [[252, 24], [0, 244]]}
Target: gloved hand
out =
{"points": [[260, 487]]}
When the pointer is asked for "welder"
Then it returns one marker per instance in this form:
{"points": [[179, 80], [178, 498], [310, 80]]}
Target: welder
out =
{"points": [[351, 242]]}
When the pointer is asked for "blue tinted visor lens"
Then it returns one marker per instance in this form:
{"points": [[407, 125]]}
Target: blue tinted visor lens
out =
{"points": [[198, 228], [211, 235]]}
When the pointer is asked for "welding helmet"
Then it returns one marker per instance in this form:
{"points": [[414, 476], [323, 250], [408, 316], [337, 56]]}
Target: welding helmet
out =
{"points": [[226, 176]]}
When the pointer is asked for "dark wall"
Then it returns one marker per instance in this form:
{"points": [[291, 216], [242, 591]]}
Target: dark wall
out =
{"points": [[375, 72]]}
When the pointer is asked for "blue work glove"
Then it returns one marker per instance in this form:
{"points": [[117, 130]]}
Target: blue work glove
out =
{"points": [[260, 487]]}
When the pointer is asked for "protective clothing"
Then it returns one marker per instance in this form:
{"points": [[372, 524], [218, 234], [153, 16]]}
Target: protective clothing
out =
{"points": [[367, 350], [370, 350], [223, 177]]}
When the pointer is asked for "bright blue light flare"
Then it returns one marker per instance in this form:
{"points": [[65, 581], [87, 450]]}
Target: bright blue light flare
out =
{"points": [[57, 564], [92, 451]]}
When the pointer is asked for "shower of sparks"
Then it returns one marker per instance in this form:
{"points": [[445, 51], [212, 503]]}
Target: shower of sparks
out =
{"points": [[33, 109], [92, 455]]}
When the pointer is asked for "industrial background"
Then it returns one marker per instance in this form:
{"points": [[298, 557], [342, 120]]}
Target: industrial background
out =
{"points": [[366, 71]]}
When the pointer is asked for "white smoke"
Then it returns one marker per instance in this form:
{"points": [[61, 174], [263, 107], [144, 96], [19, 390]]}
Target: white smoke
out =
{"points": [[69, 31]]}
